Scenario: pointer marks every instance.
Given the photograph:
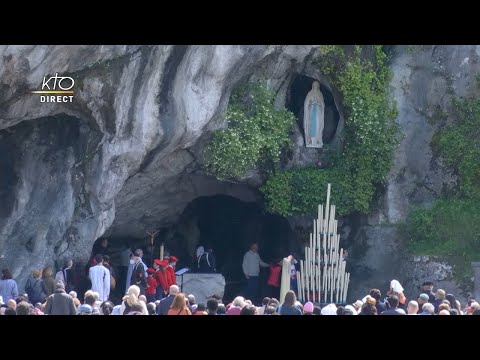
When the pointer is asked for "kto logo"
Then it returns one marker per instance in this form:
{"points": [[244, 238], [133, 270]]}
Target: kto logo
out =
{"points": [[56, 89]]}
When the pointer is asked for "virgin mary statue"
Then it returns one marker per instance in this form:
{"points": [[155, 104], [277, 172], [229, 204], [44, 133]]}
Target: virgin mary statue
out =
{"points": [[313, 117]]}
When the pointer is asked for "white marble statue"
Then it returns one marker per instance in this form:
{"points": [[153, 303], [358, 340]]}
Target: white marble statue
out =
{"points": [[313, 117]]}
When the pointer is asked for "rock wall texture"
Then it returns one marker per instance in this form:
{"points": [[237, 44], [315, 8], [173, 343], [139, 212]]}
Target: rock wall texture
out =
{"points": [[425, 80], [123, 153]]}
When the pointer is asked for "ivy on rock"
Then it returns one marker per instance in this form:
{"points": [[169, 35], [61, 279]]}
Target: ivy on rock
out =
{"points": [[256, 133], [459, 146], [371, 135]]}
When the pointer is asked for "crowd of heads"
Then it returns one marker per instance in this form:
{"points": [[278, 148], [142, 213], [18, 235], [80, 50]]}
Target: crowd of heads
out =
{"points": [[396, 303], [428, 302]]}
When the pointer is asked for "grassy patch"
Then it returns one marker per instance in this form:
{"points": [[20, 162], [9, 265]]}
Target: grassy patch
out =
{"points": [[450, 229]]}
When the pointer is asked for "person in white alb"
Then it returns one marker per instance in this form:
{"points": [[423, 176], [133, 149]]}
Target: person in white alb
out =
{"points": [[100, 277], [251, 268]]}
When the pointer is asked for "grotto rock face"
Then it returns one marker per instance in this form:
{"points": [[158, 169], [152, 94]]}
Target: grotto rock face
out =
{"points": [[126, 154], [119, 153], [425, 80]]}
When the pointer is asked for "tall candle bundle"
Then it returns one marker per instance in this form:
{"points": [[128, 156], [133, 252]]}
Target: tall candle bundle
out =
{"points": [[323, 276]]}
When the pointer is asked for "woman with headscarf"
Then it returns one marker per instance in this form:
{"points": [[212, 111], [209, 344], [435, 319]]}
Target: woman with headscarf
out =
{"points": [[397, 289], [308, 308], [330, 309], [200, 252]]}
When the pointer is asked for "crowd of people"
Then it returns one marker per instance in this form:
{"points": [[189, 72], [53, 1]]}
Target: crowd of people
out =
{"points": [[153, 291], [46, 295]]}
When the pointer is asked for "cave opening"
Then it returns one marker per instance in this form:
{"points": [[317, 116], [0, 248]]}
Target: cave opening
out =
{"points": [[229, 225], [297, 92]]}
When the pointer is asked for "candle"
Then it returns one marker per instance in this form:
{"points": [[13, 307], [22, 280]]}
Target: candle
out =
{"points": [[299, 287], [341, 281], [319, 274], [299, 281], [324, 245], [337, 268], [332, 272], [312, 261], [327, 206], [302, 275], [335, 282], [324, 283], [319, 228], [319, 287], [307, 272], [328, 243], [313, 283], [314, 271], [285, 282], [346, 287], [320, 218]]}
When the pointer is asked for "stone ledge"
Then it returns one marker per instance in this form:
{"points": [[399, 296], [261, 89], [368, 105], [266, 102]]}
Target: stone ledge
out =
{"points": [[202, 285]]}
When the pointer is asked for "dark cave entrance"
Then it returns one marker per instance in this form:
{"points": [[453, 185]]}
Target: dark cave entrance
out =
{"points": [[229, 226], [298, 90]]}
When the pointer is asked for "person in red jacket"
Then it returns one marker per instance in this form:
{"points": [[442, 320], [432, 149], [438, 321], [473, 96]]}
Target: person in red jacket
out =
{"points": [[170, 271], [161, 277], [274, 278], [152, 285]]}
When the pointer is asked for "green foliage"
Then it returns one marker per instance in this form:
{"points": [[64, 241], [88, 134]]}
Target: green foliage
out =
{"points": [[371, 135], [256, 133], [304, 189], [459, 145], [450, 228]]}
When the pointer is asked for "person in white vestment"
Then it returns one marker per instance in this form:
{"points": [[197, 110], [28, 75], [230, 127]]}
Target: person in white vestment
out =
{"points": [[100, 278]]}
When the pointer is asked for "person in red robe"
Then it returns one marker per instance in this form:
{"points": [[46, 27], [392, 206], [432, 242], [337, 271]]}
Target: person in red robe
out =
{"points": [[161, 277], [170, 271], [152, 285]]}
